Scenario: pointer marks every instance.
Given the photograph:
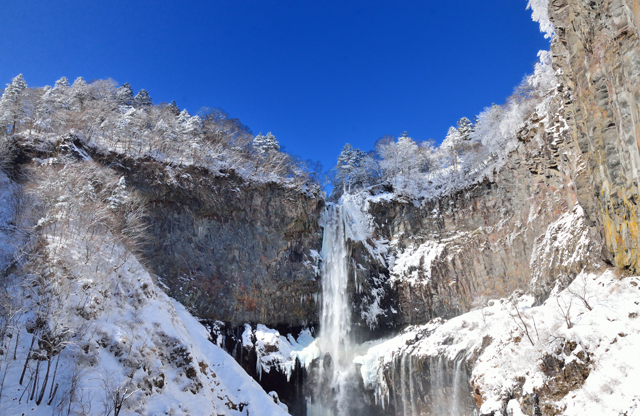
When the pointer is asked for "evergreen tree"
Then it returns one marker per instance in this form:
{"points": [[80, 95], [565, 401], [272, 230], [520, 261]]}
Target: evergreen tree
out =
{"points": [[348, 166], [465, 128], [61, 84], [173, 108], [11, 104], [124, 94], [183, 117], [263, 144], [142, 99]]}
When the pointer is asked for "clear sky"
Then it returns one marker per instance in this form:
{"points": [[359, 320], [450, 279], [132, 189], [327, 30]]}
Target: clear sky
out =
{"points": [[315, 73]]}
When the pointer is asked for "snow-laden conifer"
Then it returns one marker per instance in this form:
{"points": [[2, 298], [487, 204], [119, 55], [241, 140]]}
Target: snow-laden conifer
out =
{"points": [[265, 143], [124, 94], [11, 104], [142, 99]]}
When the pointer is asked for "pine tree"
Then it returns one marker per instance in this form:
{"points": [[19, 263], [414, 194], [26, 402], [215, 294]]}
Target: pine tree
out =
{"points": [[11, 104], [349, 163], [173, 108], [465, 128], [124, 94], [183, 117], [142, 99], [62, 83], [263, 144]]}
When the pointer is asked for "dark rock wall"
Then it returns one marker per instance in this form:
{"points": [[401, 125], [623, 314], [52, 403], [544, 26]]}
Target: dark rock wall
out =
{"points": [[489, 232], [596, 46], [228, 249]]}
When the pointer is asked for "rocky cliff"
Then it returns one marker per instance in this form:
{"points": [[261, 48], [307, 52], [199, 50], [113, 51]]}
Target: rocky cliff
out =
{"points": [[229, 249], [596, 48], [447, 255], [564, 203]]}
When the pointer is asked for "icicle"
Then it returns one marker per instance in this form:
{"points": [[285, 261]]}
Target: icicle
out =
{"points": [[412, 394], [403, 377]]}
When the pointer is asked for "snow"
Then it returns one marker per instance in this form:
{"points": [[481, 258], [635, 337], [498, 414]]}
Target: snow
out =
{"points": [[609, 333], [278, 352], [565, 243], [114, 329], [413, 265]]}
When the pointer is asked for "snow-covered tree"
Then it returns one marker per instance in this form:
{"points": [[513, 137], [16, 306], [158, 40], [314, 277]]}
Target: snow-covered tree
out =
{"points": [[540, 14], [183, 117], [265, 143], [80, 92], [12, 109], [173, 108], [124, 94], [399, 158], [349, 167], [189, 124], [61, 84], [465, 128], [142, 99]]}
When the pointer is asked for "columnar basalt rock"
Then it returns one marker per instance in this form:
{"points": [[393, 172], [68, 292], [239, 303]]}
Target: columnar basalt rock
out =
{"points": [[490, 239], [598, 51], [228, 249]]}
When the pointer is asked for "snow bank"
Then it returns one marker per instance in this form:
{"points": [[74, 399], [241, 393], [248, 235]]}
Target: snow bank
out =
{"points": [[275, 351], [592, 325], [413, 265], [106, 335]]}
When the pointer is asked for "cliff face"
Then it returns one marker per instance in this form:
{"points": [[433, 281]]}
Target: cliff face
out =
{"points": [[231, 250], [596, 47], [449, 254], [565, 202]]}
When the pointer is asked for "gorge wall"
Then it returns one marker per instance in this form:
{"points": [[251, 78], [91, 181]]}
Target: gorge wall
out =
{"points": [[449, 254], [565, 203], [229, 249], [596, 47]]}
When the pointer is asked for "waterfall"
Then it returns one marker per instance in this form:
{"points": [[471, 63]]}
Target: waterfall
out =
{"points": [[448, 386], [334, 339], [332, 369], [335, 318]]}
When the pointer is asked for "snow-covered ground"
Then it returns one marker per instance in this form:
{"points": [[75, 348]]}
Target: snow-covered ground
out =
{"points": [[589, 329], [106, 337]]}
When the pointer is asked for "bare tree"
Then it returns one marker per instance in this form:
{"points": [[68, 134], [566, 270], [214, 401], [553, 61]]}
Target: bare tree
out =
{"points": [[519, 319], [565, 310], [580, 290], [116, 394]]}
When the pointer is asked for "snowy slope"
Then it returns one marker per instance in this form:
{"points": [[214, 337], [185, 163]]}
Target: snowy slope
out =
{"points": [[107, 339], [577, 352]]}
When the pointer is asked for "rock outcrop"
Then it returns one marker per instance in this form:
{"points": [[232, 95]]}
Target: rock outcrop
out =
{"points": [[449, 254], [596, 47], [229, 249]]}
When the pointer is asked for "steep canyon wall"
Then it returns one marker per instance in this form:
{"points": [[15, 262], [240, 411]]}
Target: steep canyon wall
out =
{"points": [[596, 47]]}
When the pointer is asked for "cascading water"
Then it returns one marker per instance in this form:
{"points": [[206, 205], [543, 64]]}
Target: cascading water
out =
{"points": [[335, 320], [330, 359]]}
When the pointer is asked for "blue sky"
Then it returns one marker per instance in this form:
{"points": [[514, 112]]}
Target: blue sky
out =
{"points": [[316, 74]]}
